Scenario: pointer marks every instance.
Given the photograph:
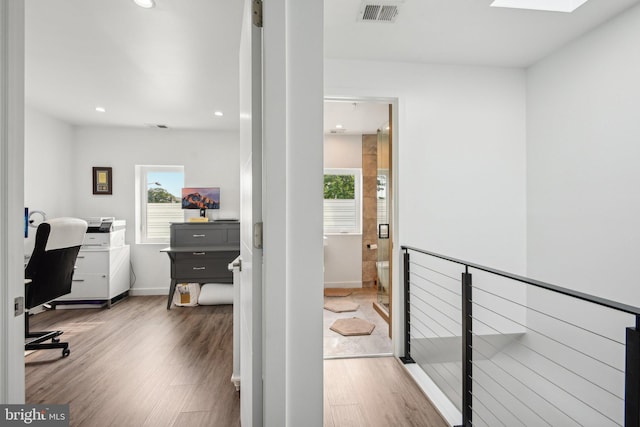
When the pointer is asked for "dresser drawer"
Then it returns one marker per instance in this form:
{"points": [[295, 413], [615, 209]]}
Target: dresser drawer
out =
{"points": [[92, 262], [203, 265], [88, 286], [199, 236], [233, 235]]}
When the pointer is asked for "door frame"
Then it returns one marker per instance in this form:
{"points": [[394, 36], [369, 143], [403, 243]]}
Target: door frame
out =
{"points": [[397, 297], [12, 24], [250, 301]]}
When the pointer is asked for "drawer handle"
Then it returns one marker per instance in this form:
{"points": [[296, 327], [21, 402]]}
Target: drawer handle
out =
{"points": [[199, 253], [78, 280], [199, 268], [80, 256], [199, 235]]}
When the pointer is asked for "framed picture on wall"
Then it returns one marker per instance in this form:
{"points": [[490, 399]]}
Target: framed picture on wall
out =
{"points": [[102, 180]]}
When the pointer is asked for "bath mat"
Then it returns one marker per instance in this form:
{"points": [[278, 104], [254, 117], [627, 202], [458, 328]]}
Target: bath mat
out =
{"points": [[352, 327], [340, 306], [337, 292]]}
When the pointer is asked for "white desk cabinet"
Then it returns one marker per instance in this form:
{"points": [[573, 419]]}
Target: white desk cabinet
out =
{"points": [[101, 274]]}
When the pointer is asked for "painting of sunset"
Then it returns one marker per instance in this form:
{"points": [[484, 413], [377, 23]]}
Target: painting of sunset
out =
{"points": [[201, 198]]}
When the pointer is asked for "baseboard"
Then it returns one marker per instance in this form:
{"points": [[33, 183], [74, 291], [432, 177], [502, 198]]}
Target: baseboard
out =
{"points": [[148, 291], [440, 401], [349, 285]]}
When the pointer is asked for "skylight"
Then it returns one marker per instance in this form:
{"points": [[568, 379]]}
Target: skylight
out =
{"points": [[548, 5], [147, 4]]}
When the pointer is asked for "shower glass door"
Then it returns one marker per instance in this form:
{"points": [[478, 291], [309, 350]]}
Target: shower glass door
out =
{"points": [[383, 263]]}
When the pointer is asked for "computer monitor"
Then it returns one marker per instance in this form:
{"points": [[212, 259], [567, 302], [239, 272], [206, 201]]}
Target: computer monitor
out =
{"points": [[201, 198]]}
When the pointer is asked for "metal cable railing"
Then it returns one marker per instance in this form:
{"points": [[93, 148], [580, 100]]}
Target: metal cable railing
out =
{"points": [[509, 350]]}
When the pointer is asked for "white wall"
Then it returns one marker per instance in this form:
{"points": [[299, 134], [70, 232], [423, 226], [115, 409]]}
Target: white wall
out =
{"points": [[582, 162], [292, 159], [461, 141], [209, 159], [48, 168], [343, 151], [343, 252], [583, 209], [459, 152]]}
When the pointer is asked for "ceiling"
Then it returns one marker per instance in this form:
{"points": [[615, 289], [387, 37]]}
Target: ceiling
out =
{"points": [[355, 118], [459, 31], [176, 64]]}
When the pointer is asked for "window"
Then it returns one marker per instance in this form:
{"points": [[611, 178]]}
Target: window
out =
{"points": [[158, 201], [342, 207]]}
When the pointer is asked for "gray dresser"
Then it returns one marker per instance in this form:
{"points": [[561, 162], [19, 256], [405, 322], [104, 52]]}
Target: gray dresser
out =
{"points": [[201, 251]]}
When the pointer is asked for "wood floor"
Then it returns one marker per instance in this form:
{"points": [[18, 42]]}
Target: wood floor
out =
{"points": [[374, 392], [138, 364]]}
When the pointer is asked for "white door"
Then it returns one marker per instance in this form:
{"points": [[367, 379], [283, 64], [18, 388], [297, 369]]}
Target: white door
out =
{"points": [[12, 196], [250, 220]]}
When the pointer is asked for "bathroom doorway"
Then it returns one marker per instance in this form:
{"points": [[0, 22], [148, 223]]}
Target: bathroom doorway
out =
{"points": [[358, 222]]}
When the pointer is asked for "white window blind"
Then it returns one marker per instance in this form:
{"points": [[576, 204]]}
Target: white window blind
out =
{"points": [[343, 215], [158, 199]]}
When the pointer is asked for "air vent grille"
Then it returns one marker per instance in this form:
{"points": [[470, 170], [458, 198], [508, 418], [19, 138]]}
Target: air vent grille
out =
{"points": [[371, 12], [382, 12], [388, 13]]}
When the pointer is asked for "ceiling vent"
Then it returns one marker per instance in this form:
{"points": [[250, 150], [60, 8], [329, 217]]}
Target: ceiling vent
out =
{"points": [[379, 11]]}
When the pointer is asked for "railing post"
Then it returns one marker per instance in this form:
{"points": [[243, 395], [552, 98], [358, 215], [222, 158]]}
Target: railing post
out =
{"points": [[632, 377], [467, 349], [407, 313]]}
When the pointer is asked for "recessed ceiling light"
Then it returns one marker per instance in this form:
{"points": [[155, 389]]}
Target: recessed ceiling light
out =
{"points": [[147, 4], [338, 126], [101, 109], [218, 113], [548, 5]]}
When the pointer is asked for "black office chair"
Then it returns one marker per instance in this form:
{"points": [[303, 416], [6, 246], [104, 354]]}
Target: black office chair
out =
{"points": [[50, 270]]}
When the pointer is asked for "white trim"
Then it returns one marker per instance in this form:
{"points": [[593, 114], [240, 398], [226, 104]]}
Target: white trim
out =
{"points": [[447, 409], [149, 291], [11, 199], [293, 164], [397, 296], [274, 210], [142, 185], [350, 285]]}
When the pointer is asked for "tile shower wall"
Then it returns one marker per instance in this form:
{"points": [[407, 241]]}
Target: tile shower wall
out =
{"points": [[369, 209]]}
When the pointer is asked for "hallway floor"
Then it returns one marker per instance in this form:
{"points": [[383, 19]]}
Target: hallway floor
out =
{"points": [[374, 392], [138, 364], [378, 343]]}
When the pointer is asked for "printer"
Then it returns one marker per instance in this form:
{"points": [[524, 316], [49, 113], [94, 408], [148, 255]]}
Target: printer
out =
{"points": [[104, 232]]}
